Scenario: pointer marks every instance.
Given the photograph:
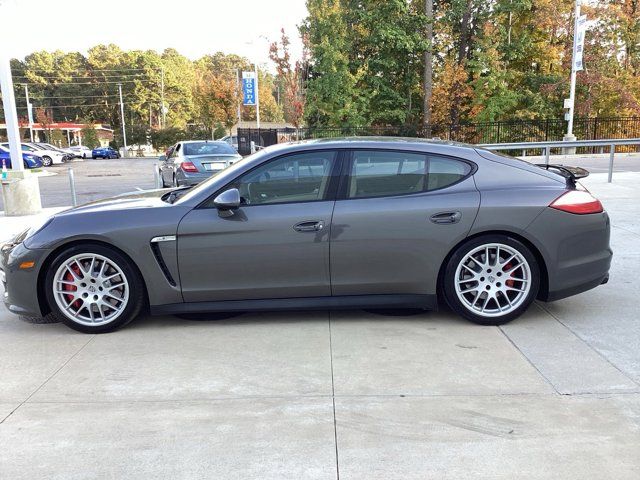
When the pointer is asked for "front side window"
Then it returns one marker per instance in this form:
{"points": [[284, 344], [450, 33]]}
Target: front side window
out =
{"points": [[385, 173], [301, 177]]}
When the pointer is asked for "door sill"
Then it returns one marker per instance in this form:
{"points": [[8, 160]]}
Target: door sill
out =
{"points": [[428, 302]]}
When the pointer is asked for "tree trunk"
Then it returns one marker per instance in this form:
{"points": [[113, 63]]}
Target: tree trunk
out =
{"points": [[428, 70]]}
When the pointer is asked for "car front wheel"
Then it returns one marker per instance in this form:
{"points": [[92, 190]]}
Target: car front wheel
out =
{"points": [[491, 280], [93, 289], [46, 161]]}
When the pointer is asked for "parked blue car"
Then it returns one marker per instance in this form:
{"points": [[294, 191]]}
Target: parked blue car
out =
{"points": [[30, 160], [104, 152]]}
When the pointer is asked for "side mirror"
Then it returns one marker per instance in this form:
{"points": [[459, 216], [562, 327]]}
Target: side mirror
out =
{"points": [[227, 202]]}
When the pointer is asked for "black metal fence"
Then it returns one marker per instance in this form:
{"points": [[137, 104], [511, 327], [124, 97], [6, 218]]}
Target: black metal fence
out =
{"points": [[544, 130]]}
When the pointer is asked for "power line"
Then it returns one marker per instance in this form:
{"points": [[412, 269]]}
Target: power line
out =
{"points": [[82, 83], [89, 69], [88, 75]]}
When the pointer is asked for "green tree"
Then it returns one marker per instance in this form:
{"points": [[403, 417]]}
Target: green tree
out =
{"points": [[89, 136]]}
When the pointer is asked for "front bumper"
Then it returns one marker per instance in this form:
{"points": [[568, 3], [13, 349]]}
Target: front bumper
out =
{"points": [[20, 286]]}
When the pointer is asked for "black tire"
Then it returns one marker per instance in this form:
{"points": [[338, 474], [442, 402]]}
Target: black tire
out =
{"points": [[136, 288], [46, 161], [448, 285]]}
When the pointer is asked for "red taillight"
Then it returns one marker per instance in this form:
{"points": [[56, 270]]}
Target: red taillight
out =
{"points": [[189, 167], [579, 202]]}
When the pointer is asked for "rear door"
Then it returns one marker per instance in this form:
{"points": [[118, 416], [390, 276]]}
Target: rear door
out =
{"points": [[397, 216]]}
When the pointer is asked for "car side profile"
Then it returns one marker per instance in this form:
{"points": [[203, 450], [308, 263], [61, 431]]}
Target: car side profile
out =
{"points": [[29, 160], [49, 157], [341, 223], [104, 152]]}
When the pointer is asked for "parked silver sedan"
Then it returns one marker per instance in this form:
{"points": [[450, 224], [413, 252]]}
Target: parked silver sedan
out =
{"points": [[344, 223], [191, 162]]}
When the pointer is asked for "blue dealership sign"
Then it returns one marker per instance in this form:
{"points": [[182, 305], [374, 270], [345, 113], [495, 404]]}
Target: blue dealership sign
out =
{"points": [[249, 88]]}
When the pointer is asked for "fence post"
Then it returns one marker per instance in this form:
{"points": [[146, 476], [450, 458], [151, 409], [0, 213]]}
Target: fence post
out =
{"points": [[611, 154], [547, 153], [156, 175], [72, 184]]}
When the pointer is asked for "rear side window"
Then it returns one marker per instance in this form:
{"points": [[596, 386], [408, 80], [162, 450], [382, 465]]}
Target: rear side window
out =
{"points": [[383, 173]]}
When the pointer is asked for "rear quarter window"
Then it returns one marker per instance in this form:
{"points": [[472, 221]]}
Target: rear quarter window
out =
{"points": [[388, 173]]}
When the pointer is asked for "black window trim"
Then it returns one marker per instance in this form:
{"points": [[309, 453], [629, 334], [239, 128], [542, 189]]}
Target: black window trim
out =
{"points": [[335, 176], [345, 175]]}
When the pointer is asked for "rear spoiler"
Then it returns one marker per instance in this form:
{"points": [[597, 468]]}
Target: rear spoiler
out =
{"points": [[570, 173]]}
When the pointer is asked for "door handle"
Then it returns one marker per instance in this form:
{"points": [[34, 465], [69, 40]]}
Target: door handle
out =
{"points": [[311, 226], [446, 217]]}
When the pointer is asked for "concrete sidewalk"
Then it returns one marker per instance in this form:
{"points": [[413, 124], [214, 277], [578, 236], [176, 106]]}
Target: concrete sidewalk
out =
{"points": [[355, 395]]}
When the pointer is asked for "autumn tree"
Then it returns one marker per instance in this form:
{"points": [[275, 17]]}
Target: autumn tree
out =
{"points": [[291, 79]]}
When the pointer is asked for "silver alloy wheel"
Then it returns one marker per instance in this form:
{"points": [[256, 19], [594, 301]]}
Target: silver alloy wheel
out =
{"points": [[90, 289], [493, 280]]}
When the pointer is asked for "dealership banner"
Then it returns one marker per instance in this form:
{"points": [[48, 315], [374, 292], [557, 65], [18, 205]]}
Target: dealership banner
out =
{"points": [[249, 91]]}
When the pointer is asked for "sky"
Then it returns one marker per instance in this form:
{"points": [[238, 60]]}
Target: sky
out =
{"points": [[193, 27]]}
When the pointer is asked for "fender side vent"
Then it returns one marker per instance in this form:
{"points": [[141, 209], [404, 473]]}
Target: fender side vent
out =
{"points": [[163, 266]]}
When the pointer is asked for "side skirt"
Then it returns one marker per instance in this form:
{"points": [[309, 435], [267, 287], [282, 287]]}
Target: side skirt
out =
{"points": [[428, 302]]}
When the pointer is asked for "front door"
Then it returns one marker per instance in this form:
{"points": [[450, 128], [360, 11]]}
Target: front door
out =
{"points": [[276, 245], [396, 219]]}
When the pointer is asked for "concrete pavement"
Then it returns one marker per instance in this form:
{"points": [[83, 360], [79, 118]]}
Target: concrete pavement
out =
{"points": [[554, 394]]}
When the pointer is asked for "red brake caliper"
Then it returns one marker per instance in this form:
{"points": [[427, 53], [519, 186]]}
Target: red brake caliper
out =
{"points": [[510, 282], [72, 288]]}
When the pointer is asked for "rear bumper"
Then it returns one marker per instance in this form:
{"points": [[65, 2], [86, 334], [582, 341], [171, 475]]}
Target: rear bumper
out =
{"points": [[575, 249], [185, 178]]}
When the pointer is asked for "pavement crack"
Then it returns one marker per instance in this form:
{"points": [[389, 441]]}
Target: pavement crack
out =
{"points": [[333, 400], [575, 334], [48, 379], [529, 361]]}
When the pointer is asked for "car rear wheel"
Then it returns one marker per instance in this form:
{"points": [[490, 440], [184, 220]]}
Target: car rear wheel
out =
{"points": [[46, 161], [491, 280], [93, 289]]}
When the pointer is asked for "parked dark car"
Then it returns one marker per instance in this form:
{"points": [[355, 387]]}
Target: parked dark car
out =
{"points": [[29, 160], [104, 152], [346, 223]]}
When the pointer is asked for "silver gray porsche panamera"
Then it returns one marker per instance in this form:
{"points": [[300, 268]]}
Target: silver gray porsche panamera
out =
{"points": [[342, 223]]}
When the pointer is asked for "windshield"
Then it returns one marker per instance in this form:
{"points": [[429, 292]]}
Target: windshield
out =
{"points": [[208, 148]]}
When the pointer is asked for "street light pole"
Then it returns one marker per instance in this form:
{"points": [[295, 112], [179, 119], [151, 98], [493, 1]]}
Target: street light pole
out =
{"points": [[257, 97], [164, 114], [29, 114], [572, 88], [124, 130]]}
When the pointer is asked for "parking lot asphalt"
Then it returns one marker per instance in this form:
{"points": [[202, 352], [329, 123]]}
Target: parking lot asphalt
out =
{"points": [[343, 394]]}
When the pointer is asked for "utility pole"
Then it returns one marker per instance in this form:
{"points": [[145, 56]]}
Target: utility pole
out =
{"points": [[164, 117], [257, 97], [124, 130], [29, 111], [239, 98], [428, 70]]}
